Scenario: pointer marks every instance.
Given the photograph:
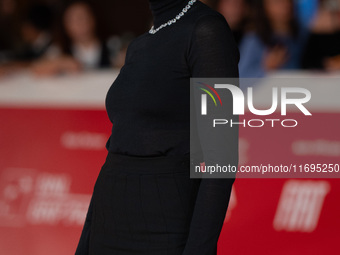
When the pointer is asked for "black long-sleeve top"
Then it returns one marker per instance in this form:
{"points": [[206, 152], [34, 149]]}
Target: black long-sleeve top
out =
{"points": [[149, 106]]}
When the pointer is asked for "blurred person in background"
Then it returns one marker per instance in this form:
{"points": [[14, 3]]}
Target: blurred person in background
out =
{"points": [[323, 46], [306, 10], [236, 13], [118, 46], [275, 42], [79, 48], [35, 30], [36, 33], [9, 30]]}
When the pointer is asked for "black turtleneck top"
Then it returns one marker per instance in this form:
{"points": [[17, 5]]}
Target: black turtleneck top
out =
{"points": [[149, 107]]}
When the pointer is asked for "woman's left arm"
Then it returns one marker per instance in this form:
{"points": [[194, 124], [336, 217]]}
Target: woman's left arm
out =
{"points": [[213, 53]]}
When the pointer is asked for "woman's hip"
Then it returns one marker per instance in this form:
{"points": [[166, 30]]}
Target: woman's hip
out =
{"points": [[144, 203]]}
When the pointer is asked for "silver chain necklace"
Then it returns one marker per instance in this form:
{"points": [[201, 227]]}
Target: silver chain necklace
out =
{"points": [[172, 21]]}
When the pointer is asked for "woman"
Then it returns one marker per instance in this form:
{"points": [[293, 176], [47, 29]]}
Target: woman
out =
{"points": [[144, 201], [79, 47], [81, 40], [276, 41]]}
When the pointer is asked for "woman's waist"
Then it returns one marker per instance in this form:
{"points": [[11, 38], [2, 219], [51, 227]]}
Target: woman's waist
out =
{"points": [[116, 162]]}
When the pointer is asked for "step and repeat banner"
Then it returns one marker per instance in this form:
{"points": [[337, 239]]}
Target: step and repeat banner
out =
{"points": [[53, 134]]}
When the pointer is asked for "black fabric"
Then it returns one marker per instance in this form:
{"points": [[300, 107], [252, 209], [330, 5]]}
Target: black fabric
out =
{"points": [[142, 205], [149, 107]]}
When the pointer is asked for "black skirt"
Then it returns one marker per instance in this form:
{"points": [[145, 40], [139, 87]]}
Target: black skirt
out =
{"points": [[140, 205]]}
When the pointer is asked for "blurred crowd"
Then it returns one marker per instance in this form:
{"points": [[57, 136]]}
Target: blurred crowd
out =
{"points": [[271, 34], [284, 34], [46, 44]]}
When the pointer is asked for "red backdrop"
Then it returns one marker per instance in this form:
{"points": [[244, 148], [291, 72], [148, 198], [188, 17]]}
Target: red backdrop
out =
{"points": [[50, 159]]}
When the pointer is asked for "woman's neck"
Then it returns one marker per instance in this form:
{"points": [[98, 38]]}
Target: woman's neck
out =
{"points": [[164, 10]]}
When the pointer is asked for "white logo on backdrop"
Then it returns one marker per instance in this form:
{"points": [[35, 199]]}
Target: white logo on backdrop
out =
{"points": [[31, 197], [83, 140], [319, 147], [300, 205]]}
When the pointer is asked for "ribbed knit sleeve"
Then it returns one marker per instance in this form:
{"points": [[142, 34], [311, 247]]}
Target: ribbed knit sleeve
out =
{"points": [[212, 53]]}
